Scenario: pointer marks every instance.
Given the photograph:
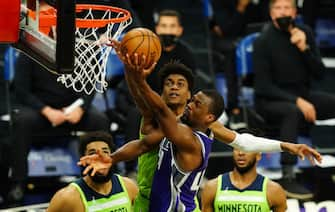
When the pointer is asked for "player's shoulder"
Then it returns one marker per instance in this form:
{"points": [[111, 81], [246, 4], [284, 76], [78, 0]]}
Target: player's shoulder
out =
{"points": [[128, 180], [68, 193], [130, 184], [274, 188], [65, 199], [211, 184], [278, 201]]}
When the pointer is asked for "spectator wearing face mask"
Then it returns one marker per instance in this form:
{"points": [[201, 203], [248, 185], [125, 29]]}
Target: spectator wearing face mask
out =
{"points": [[169, 29], [286, 60]]}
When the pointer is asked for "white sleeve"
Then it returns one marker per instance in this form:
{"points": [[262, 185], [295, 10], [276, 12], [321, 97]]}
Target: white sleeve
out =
{"points": [[249, 143]]}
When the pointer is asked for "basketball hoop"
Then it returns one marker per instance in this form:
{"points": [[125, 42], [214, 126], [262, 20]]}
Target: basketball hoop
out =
{"points": [[91, 52]]}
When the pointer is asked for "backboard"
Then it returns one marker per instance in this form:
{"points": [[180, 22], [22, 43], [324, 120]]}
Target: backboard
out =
{"points": [[9, 21], [68, 39], [52, 47]]}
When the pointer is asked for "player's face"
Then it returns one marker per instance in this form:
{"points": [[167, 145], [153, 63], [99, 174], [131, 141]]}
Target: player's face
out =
{"points": [[91, 149], [196, 111], [243, 161], [282, 8], [169, 25], [175, 90]]}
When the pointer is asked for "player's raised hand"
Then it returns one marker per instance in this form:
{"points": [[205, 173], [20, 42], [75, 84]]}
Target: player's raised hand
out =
{"points": [[136, 64], [302, 150], [117, 47], [95, 163]]}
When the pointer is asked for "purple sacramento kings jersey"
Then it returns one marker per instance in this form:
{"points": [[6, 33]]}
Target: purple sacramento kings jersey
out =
{"points": [[172, 189]]}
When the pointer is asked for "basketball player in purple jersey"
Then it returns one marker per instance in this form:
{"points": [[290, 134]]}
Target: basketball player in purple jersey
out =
{"points": [[184, 152]]}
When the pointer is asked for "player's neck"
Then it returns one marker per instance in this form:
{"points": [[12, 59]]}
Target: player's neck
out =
{"points": [[178, 110], [242, 181], [101, 188]]}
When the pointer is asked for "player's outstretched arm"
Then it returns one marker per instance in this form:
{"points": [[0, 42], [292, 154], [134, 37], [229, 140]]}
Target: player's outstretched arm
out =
{"points": [[129, 151], [250, 143]]}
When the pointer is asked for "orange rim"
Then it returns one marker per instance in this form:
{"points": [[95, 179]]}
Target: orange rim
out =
{"points": [[85, 23], [48, 17]]}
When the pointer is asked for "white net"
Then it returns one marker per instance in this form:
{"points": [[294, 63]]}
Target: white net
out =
{"points": [[91, 53]]}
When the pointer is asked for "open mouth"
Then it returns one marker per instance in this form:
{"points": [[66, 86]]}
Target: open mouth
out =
{"points": [[173, 95]]}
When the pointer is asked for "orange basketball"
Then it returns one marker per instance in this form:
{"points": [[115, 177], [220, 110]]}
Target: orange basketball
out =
{"points": [[142, 41]]}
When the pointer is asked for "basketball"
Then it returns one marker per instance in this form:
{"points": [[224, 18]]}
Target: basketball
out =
{"points": [[143, 42]]}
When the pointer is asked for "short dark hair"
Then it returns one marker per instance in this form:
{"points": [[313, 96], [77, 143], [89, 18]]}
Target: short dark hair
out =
{"points": [[94, 136], [216, 106], [172, 13], [174, 67]]}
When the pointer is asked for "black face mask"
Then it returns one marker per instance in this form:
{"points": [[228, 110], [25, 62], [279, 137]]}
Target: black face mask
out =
{"points": [[285, 22], [168, 39]]}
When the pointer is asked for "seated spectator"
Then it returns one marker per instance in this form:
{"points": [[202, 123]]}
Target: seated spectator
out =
{"points": [[286, 60], [41, 101], [228, 26]]}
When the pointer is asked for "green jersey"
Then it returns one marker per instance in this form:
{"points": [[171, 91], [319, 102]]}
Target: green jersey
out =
{"points": [[116, 201], [147, 164], [251, 199]]}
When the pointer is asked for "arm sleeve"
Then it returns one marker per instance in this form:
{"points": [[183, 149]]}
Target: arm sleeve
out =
{"points": [[249, 143]]}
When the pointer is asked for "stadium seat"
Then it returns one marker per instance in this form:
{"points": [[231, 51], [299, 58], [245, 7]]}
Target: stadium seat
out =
{"points": [[325, 33]]}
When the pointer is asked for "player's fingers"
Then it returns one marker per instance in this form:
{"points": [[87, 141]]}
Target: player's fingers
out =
{"points": [[115, 44], [313, 115], [87, 169], [301, 156], [84, 160], [152, 66], [135, 61], [311, 159], [317, 155], [82, 163], [128, 61], [143, 59], [93, 172]]}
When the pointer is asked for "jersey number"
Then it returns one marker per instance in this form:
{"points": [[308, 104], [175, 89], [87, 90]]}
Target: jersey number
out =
{"points": [[197, 180]]}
